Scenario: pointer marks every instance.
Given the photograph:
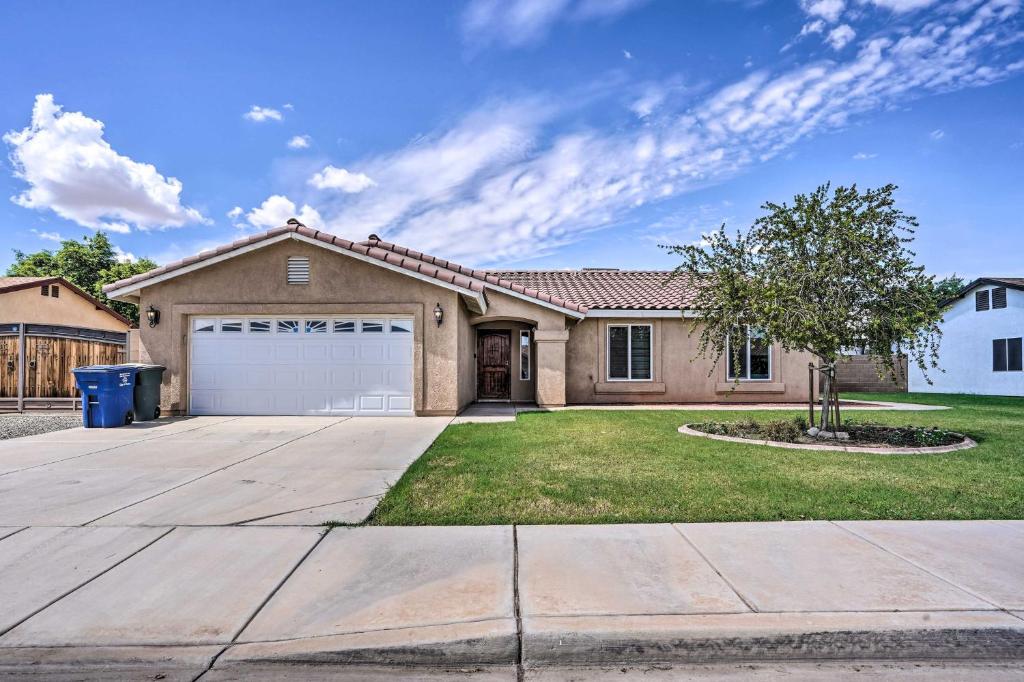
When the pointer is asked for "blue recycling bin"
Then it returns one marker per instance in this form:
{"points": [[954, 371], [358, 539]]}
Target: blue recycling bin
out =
{"points": [[107, 395]]}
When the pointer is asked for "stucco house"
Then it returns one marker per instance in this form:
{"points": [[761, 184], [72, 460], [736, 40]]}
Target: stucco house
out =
{"points": [[980, 351], [47, 327], [298, 321]]}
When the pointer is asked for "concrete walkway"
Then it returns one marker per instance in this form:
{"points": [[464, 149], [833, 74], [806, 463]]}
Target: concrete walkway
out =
{"points": [[250, 602]]}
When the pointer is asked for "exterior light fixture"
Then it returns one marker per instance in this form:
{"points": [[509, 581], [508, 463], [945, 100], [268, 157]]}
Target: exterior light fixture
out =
{"points": [[438, 314], [153, 315]]}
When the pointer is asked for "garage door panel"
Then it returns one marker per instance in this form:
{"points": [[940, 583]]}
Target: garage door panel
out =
{"points": [[341, 371]]}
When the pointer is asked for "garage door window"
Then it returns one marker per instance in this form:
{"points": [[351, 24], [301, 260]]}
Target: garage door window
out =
{"points": [[375, 327], [344, 327], [231, 326], [287, 326], [316, 326], [259, 326], [400, 326], [204, 326]]}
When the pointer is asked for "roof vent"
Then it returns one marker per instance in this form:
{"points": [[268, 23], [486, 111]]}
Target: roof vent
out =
{"points": [[298, 270], [295, 221]]}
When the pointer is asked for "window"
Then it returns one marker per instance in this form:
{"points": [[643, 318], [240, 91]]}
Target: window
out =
{"points": [[55, 292], [316, 326], [44, 290], [629, 352], [1007, 355], [753, 362], [400, 326], [344, 326], [202, 325], [231, 326], [524, 355], [998, 297], [288, 326], [981, 300], [298, 270], [368, 327], [259, 326]]}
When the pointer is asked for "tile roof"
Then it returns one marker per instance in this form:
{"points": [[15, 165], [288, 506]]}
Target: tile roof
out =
{"points": [[610, 289], [18, 283], [386, 252]]}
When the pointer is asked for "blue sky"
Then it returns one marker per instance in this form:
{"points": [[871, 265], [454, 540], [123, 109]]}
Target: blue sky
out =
{"points": [[527, 133]]}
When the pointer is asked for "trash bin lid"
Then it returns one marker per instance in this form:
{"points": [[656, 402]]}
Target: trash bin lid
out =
{"points": [[140, 365]]}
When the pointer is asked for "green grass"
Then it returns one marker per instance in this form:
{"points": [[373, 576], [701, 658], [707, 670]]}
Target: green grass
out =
{"points": [[633, 466]]}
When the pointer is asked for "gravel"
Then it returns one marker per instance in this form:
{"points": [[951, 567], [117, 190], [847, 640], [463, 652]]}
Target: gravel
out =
{"points": [[18, 425]]}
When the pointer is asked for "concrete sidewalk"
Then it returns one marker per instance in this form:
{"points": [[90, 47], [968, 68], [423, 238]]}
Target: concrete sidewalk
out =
{"points": [[263, 602]]}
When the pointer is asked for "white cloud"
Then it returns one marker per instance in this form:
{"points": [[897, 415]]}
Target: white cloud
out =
{"points": [[840, 36], [937, 134], [73, 171], [503, 184], [261, 114], [48, 236], [901, 6], [816, 26], [277, 209], [340, 179], [651, 99], [515, 23], [863, 156], [829, 10], [300, 142], [123, 256], [627, 54], [236, 212], [289, 106]]}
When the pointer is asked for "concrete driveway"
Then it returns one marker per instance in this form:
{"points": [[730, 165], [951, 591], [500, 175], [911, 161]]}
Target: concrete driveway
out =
{"points": [[210, 471]]}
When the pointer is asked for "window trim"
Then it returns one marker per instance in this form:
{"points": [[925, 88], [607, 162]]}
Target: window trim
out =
{"points": [[525, 375], [728, 357], [629, 351]]}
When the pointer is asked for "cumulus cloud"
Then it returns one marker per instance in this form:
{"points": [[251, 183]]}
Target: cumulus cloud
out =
{"points": [[901, 6], [342, 180], [262, 114], [73, 171], [123, 256], [829, 10], [841, 36], [300, 142], [277, 209], [515, 23]]}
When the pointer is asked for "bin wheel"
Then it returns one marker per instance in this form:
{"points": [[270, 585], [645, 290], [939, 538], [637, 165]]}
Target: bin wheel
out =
{"points": [[129, 418], [156, 412]]}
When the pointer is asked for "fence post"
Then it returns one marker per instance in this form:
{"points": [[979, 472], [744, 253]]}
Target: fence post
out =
{"points": [[810, 394], [21, 367]]}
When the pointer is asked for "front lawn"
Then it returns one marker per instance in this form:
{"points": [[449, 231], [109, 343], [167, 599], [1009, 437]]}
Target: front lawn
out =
{"points": [[592, 466]]}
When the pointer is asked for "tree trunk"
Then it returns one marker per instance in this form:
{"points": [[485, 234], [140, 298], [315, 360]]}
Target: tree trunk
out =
{"points": [[828, 371]]}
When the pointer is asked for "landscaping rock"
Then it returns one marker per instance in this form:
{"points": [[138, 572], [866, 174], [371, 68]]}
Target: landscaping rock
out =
{"points": [[813, 431]]}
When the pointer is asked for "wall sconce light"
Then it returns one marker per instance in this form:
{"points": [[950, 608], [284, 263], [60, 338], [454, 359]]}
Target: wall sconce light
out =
{"points": [[438, 314], [153, 315]]}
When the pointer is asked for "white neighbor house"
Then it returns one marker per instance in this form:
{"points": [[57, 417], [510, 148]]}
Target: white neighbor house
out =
{"points": [[981, 341]]}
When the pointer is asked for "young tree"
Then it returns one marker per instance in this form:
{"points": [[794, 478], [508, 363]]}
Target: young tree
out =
{"points": [[88, 264], [825, 273]]}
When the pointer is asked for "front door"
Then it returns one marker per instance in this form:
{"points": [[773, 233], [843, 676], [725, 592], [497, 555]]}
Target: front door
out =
{"points": [[493, 364]]}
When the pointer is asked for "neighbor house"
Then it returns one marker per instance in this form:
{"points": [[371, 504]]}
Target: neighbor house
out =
{"points": [[47, 327], [980, 350], [298, 321]]}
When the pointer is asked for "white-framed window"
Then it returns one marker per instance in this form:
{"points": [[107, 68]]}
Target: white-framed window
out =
{"points": [[754, 361], [204, 325], [316, 326], [630, 350], [400, 326], [231, 326], [524, 355], [371, 327], [287, 326], [344, 326], [259, 326]]}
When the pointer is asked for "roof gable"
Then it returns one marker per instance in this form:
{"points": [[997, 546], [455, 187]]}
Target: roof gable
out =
{"points": [[11, 284]]}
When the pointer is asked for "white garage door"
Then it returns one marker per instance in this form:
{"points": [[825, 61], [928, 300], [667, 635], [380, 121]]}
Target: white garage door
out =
{"points": [[301, 365]]}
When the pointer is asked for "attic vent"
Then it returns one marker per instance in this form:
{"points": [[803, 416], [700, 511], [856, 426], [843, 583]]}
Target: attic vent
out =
{"points": [[999, 297], [981, 300], [298, 270]]}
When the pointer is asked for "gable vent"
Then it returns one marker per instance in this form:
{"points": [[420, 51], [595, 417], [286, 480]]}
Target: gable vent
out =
{"points": [[981, 300], [298, 270], [999, 298]]}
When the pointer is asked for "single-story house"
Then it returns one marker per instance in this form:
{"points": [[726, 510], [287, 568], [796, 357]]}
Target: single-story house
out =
{"points": [[47, 327], [298, 321], [980, 351]]}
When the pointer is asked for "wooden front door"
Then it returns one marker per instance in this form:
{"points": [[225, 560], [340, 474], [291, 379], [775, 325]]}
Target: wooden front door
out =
{"points": [[493, 364]]}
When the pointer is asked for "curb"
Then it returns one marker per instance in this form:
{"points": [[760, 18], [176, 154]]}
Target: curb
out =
{"points": [[967, 444]]}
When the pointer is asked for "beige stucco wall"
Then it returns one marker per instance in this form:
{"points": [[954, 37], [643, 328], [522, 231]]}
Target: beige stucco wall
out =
{"points": [[676, 379], [69, 309], [255, 283]]}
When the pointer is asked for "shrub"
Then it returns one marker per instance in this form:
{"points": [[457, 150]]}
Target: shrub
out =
{"points": [[785, 430]]}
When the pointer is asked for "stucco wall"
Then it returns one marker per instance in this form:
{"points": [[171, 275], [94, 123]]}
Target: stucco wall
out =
{"points": [[69, 309], [255, 283], [965, 352], [676, 379]]}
